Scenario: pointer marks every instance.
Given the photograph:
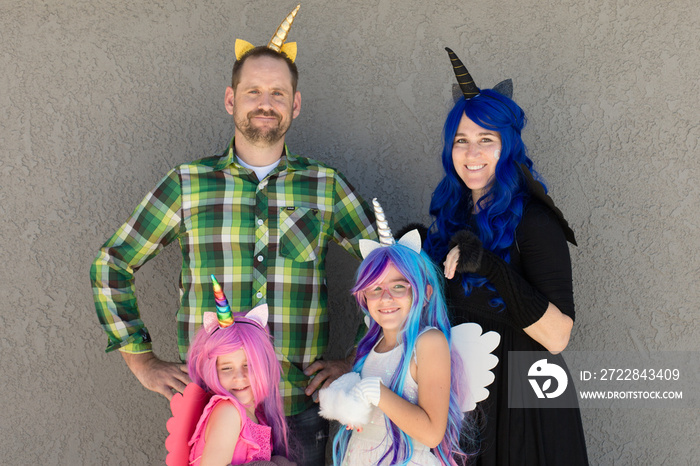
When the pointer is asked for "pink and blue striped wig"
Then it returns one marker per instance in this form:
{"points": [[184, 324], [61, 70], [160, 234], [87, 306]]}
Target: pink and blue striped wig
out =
{"points": [[426, 311]]}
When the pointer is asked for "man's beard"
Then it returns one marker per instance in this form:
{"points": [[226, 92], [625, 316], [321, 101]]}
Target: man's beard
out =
{"points": [[256, 135]]}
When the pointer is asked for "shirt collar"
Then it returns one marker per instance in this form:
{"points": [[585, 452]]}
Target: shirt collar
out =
{"points": [[289, 161]]}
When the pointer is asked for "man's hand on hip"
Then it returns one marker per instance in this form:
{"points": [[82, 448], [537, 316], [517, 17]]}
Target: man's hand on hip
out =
{"points": [[157, 375], [326, 372]]}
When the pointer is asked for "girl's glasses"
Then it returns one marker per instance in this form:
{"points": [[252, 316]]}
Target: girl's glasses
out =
{"points": [[396, 290]]}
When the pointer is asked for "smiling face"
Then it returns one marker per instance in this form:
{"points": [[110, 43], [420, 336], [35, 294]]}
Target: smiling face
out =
{"points": [[264, 103], [388, 311], [232, 370], [475, 152]]}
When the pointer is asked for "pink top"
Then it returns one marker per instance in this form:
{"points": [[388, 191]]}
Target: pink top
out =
{"points": [[254, 442]]}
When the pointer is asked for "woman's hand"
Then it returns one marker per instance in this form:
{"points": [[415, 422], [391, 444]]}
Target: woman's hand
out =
{"points": [[466, 256], [451, 262]]}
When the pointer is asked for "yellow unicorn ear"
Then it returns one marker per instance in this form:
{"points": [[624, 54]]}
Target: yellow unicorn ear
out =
{"points": [[290, 50], [242, 47]]}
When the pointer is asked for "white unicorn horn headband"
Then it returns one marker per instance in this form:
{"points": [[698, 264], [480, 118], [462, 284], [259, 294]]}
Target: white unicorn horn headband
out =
{"points": [[411, 239]]}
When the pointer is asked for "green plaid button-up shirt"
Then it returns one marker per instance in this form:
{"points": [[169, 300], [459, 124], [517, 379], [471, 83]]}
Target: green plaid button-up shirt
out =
{"points": [[266, 242]]}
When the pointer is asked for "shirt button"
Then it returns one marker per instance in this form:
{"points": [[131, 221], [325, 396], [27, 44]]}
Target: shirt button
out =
{"points": [[260, 221], [260, 258], [258, 295]]}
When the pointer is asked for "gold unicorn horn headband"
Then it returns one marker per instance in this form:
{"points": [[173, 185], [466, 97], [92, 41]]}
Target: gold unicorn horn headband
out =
{"points": [[277, 42]]}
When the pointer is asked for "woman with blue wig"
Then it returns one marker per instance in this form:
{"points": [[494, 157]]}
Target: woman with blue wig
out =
{"points": [[504, 247]]}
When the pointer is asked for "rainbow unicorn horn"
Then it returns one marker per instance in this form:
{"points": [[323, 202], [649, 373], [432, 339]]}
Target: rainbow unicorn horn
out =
{"points": [[223, 310]]}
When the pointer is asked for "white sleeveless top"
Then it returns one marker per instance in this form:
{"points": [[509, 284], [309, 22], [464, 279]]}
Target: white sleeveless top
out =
{"points": [[367, 447]]}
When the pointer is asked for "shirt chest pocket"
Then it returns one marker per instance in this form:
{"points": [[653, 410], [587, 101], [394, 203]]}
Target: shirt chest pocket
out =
{"points": [[299, 233]]}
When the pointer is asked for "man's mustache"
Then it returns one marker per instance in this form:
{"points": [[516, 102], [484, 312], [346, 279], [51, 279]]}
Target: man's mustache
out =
{"points": [[264, 113]]}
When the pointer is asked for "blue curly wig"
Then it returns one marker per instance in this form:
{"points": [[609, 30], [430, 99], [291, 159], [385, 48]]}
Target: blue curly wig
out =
{"points": [[500, 209]]}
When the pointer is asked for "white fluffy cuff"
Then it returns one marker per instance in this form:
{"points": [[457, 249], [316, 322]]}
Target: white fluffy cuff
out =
{"points": [[339, 403]]}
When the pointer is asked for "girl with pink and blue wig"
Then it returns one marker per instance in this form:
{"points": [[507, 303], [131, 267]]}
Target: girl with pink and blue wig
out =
{"points": [[404, 369]]}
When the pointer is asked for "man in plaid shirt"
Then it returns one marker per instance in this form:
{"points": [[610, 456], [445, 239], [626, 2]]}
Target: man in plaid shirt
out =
{"points": [[257, 217]]}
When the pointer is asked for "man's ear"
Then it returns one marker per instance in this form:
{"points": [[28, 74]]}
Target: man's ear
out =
{"points": [[228, 100], [296, 105]]}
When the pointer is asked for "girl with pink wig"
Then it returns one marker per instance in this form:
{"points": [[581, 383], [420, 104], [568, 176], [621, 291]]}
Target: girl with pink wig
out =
{"points": [[235, 376]]}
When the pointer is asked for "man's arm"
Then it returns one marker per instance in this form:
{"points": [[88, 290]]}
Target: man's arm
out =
{"points": [[153, 225], [353, 218]]}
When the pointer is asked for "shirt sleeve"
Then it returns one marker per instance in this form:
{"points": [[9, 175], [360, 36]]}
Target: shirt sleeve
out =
{"points": [[353, 218], [545, 257], [154, 224]]}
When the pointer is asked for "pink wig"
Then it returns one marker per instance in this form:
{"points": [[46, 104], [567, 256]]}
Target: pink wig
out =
{"points": [[262, 364]]}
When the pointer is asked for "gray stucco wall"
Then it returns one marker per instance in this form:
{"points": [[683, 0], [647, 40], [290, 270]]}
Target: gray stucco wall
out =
{"points": [[98, 99]]}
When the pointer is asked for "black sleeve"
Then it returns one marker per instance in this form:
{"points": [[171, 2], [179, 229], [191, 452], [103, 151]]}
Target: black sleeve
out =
{"points": [[544, 256]]}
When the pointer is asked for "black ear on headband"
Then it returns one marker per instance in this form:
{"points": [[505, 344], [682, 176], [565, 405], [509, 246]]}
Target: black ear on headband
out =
{"points": [[505, 88]]}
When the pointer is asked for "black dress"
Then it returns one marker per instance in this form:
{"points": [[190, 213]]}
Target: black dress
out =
{"points": [[532, 436]]}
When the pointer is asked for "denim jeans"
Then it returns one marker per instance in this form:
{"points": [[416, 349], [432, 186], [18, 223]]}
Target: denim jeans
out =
{"points": [[308, 433]]}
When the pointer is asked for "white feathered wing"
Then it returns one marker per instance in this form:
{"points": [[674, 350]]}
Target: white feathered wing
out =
{"points": [[475, 348]]}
